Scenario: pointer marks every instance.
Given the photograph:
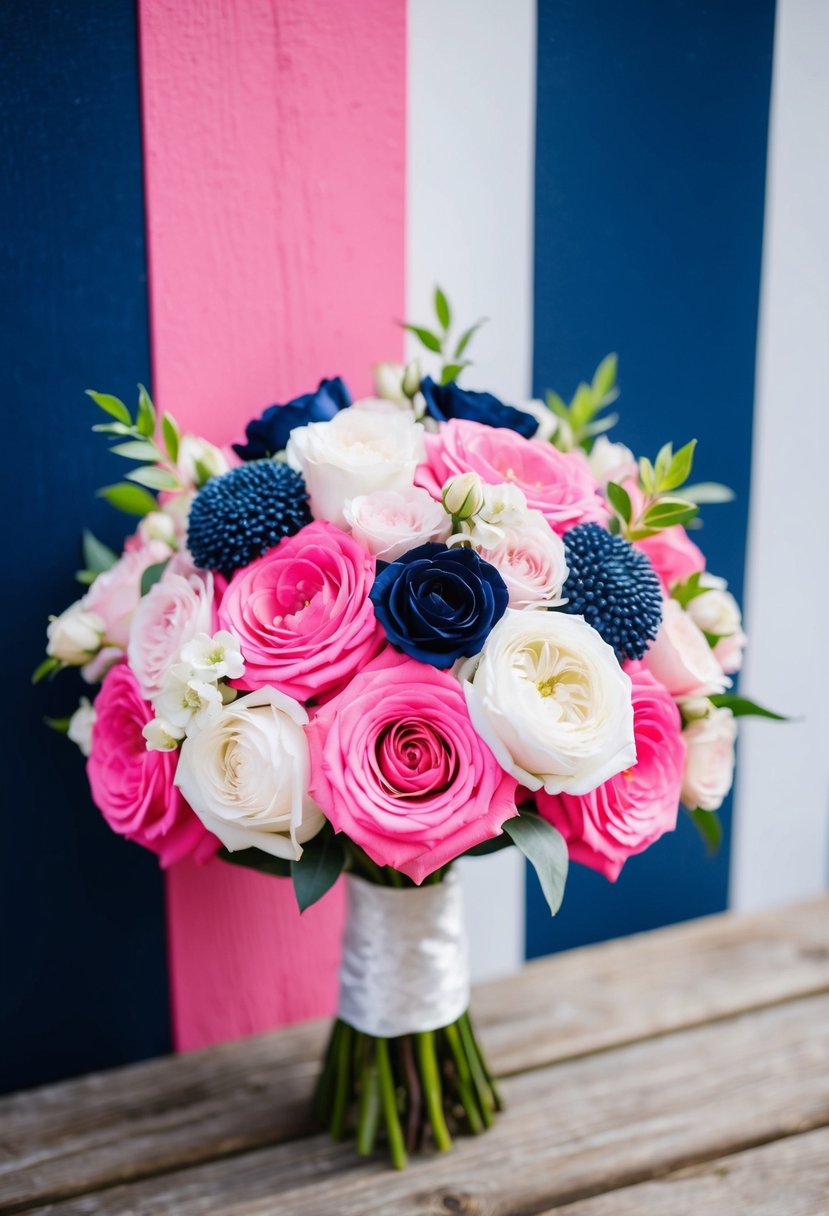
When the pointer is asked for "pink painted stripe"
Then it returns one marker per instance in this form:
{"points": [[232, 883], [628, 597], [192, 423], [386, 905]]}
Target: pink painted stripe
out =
{"points": [[274, 135]]}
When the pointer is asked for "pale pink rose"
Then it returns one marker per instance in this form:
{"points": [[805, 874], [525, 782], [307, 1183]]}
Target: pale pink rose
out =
{"points": [[95, 670], [558, 484], [633, 809], [681, 658], [532, 561], [709, 767], [718, 615], [728, 651], [302, 614], [390, 522], [133, 787], [169, 616], [116, 593], [397, 765]]}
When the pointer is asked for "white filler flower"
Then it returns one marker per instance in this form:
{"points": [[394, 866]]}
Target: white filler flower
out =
{"points": [[549, 697]]}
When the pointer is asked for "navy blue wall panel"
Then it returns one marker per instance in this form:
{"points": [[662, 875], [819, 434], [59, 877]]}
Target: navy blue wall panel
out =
{"points": [[652, 125], [82, 970]]}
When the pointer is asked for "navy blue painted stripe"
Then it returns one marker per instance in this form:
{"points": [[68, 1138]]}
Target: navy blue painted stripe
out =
{"points": [[652, 124], [83, 971]]}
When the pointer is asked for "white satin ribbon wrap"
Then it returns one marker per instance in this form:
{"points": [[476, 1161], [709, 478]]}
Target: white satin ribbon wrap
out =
{"points": [[405, 965]]}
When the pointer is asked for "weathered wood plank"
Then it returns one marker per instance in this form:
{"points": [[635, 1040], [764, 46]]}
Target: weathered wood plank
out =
{"points": [[574, 1129], [135, 1122], [787, 1178]]}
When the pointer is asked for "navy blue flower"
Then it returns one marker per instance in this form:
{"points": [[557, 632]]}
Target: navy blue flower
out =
{"points": [[269, 434], [445, 401], [438, 604]]}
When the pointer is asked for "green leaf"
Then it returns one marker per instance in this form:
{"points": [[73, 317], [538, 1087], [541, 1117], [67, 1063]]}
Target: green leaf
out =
{"points": [[545, 849], [153, 477], [708, 492], [442, 310], [85, 577], [256, 859], [203, 473], [680, 467], [130, 499], [582, 407], [98, 556], [111, 405], [647, 475], [170, 431], [151, 575], [601, 425], [467, 336], [451, 371], [61, 725], [145, 421], [604, 380], [663, 462], [430, 341], [113, 428], [494, 845], [684, 592], [557, 405], [709, 827], [667, 512], [620, 500], [137, 449], [742, 707], [47, 668], [319, 867]]}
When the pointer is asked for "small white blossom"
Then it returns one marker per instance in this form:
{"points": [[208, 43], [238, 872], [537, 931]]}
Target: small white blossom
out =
{"points": [[157, 525], [187, 701], [162, 736], [198, 461], [214, 658], [80, 726]]}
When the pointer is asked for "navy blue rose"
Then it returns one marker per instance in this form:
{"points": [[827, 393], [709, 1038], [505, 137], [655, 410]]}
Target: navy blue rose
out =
{"points": [[438, 604], [445, 401], [269, 434]]}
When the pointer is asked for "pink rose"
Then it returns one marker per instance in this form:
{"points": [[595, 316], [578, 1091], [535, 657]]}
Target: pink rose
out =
{"points": [[673, 555], [558, 484], [302, 613], [532, 561], [116, 593], [390, 522], [133, 787], [709, 768], [681, 658], [397, 765], [169, 616], [633, 809]]}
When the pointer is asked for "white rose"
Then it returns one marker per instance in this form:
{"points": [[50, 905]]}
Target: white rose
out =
{"points": [[397, 381], [80, 726], [169, 616], [680, 657], [390, 522], [709, 760], [75, 635], [550, 699], [358, 452], [716, 612], [611, 461], [198, 461], [246, 775], [532, 561]]}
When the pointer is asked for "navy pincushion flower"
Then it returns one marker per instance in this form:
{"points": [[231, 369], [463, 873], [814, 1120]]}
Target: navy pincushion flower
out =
{"points": [[614, 587], [243, 513], [438, 604], [269, 434], [445, 401]]}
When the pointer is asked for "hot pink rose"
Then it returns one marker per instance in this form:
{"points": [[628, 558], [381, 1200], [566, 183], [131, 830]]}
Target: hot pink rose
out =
{"points": [[397, 765], [116, 593], [634, 808], [133, 787], [302, 613], [673, 555], [179, 606], [558, 484]]}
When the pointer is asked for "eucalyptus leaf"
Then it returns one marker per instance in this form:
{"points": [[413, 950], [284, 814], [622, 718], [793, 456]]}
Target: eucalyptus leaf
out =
{"points": [[257, 859], [430, 341], [151, 575], [442, 310], [742, 707], [113, 406], [319, 867], [545, 849], [709, 827], [130, 499], [98, 556], [620, 500], [153, 477]]}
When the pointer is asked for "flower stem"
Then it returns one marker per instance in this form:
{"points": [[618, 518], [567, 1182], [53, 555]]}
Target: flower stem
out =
{"points": [[486, 1098], [389, 1101], [425, 1043], [465, 1090], [343, 1073], [324, 1094], [369, 1113], [466, 1030]]}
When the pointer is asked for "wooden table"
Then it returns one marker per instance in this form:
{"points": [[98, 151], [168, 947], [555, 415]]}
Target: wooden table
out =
{"points": [[683, 1072]]}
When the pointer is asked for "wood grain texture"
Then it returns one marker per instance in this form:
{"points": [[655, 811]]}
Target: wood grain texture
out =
{"points": [[787, 1178], [575, 1129], [139, 1121], [274, 137]]}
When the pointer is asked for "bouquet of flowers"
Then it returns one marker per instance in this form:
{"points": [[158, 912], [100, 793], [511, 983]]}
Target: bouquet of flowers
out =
{"points": [[384, 634]]}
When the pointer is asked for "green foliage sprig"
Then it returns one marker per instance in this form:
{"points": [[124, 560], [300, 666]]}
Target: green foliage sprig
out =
{"points": [[579, 422], [437, 340], [136, 441]]}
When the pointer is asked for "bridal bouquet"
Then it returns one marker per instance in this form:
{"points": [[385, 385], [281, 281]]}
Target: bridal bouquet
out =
{"points": [[384, 634]]}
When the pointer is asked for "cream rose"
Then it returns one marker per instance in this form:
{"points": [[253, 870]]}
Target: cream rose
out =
{"points": [[360, 451], [75, 635], [246, 775], [680, 657], [709, 760], [168, 617], [390, 522], [549, 697], [611, 461], [80, 726], [717, 613]]}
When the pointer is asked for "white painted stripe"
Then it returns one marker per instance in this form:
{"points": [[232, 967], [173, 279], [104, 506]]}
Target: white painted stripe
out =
{"points": [[471, 133], [781, 848]]}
